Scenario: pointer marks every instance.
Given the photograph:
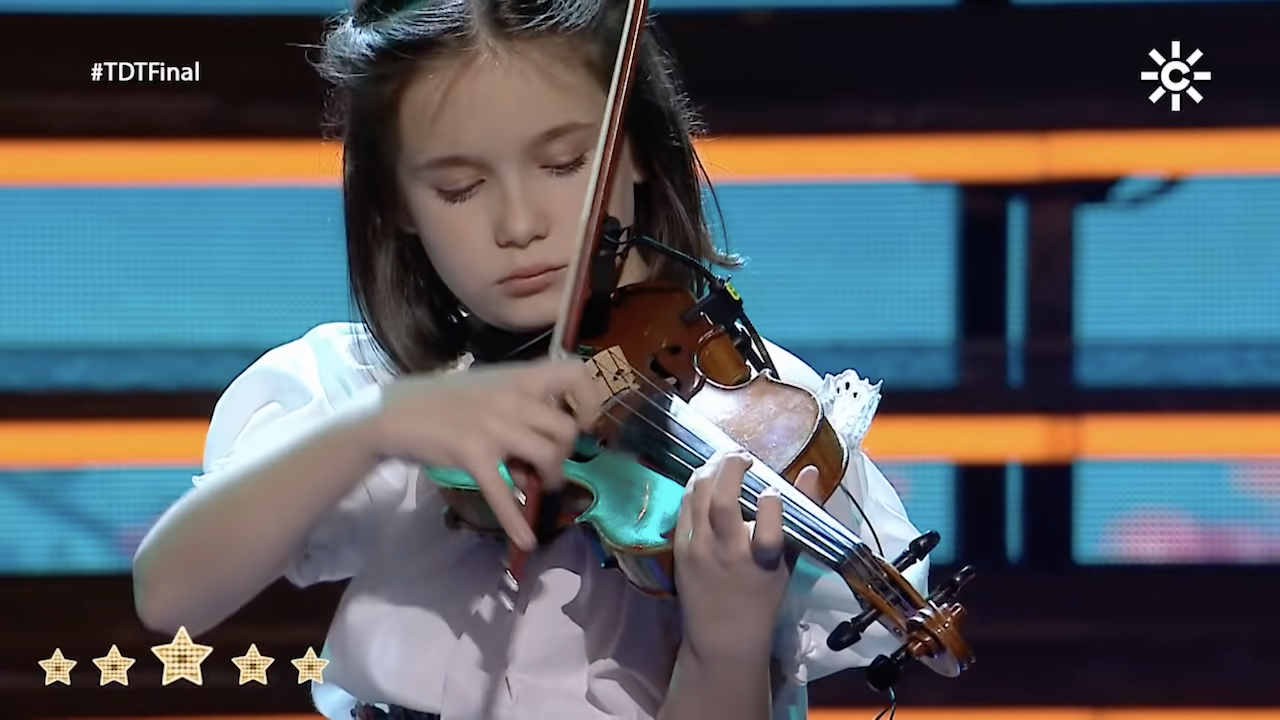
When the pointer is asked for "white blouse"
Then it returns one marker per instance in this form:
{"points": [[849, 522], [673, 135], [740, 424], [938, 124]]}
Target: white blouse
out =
{"points": [[423, 623]]}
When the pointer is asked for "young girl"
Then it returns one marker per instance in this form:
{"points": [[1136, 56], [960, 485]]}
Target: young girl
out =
{"points": [[468, 130]]}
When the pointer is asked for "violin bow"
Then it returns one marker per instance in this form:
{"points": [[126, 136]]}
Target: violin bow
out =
{"points": [[564, 338]]}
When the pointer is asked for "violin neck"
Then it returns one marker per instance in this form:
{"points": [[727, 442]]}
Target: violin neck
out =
{"points": [[671, 435], [807, 526]]}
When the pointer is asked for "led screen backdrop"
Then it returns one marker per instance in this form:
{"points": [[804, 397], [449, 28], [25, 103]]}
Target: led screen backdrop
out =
{"points": [[1175, 289], [1180, 286], [181, 288], [1132, 2], [1175, 286], [1177, 512], [325, 7], [90, 521]]}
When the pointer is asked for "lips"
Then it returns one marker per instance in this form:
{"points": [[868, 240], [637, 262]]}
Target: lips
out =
{"points": [[530, 271], [531, 280]]}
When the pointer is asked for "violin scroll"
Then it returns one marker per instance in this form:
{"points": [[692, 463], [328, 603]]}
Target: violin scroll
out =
{"points": [[929, 628]]}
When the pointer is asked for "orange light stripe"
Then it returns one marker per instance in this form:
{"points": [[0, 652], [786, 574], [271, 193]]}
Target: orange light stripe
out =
{"points": [[145, 162], [962, 439], [955, 157], [97, 443], [996, 157], [981, 439]]}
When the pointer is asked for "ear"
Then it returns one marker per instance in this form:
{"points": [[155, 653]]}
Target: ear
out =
{"points": [[404, 222], [638, 176], [401, 216]]}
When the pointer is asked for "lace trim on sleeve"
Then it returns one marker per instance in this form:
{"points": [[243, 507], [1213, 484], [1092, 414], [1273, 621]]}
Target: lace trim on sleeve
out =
{"points": [[850, 402]]}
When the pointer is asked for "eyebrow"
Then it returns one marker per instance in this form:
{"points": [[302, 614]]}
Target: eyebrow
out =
{"points": [[542, 138]]}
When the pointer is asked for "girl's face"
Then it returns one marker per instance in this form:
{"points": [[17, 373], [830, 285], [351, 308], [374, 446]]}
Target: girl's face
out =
{"points": [[496, 149]]}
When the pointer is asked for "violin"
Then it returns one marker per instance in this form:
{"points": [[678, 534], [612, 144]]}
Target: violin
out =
{"points": [[686, 378]]}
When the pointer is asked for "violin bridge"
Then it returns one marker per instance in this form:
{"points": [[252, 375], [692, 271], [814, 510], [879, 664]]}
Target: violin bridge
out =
{"points": [[613, 371]]}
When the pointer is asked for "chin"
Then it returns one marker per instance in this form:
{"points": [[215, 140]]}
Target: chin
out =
{"points": [[526, 314]]}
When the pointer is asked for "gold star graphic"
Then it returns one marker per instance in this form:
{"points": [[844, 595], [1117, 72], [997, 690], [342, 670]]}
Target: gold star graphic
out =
{"points": [[253, 665], [310, 667], [114, 667], [182, 658], [57, 668]]}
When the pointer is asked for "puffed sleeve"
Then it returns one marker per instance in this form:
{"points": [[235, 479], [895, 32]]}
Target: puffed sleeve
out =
{"points": [[818, 599], [284, 395]]}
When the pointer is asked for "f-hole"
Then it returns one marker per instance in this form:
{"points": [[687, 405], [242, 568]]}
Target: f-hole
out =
{"points": [[587, 447], [656, 366]]}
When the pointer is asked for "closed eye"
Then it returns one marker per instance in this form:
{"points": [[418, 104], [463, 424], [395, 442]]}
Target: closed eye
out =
{"points": [[570, 167], [454, 197]]}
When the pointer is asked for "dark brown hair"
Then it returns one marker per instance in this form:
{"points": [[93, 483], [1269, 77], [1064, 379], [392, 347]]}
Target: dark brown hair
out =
{"points": [[370, 55]]}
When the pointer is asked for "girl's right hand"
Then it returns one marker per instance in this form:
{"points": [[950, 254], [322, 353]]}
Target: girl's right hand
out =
{"points": [[475, 419]]}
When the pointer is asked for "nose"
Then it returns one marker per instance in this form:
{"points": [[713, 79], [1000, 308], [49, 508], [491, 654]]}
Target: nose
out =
{"points": [[524, 218]]}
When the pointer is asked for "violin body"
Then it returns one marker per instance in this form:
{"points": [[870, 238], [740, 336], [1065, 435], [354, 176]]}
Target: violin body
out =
{"points": [[632, 510], [632, 478]]}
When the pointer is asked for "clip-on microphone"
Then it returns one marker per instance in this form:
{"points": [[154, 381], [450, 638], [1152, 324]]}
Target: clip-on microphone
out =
{"points": [[602, 280]]}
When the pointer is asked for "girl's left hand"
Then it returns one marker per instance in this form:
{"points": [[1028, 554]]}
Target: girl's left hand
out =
{"points": [[730, 574]]}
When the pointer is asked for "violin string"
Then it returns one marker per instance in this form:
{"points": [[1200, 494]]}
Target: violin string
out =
{"points": [[813, 538], [820, 518], [886, 590], [861, 552], [859, 548], [832, 552], [788, 490]]}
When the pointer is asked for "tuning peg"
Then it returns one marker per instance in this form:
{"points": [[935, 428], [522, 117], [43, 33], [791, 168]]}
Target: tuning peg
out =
{"points": [[850, 631], [884, 672], [950, 588], [917, 550]]}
